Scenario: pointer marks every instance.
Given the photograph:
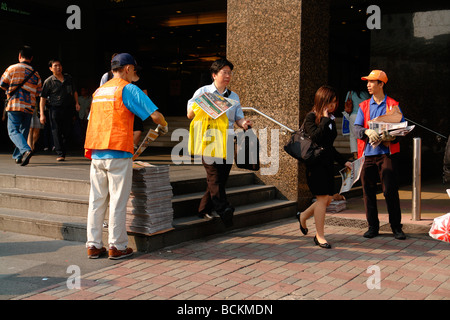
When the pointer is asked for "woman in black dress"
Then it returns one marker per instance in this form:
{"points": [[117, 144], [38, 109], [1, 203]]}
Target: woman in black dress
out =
{"points": [[320, 126]]}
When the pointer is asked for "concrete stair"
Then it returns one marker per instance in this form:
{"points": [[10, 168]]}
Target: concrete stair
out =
{"points": [[174, 123], [57, 208]]}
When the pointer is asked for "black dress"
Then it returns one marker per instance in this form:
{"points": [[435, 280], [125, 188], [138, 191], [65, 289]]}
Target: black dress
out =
{"points": [[320, 175]]}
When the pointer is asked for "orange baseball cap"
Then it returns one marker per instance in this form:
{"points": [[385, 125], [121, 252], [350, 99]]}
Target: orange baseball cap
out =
{"points": [[376, 75]]}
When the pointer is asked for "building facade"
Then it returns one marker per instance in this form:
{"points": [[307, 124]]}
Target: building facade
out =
{"points": [[282, 50]]}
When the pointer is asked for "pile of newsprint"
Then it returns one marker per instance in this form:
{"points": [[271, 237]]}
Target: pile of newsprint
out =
{"points": [[149, 208], [391, 124]]}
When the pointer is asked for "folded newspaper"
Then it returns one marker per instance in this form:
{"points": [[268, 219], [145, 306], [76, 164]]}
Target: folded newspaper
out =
{"points": [[350, 176], [394, 129], [213, 104]]}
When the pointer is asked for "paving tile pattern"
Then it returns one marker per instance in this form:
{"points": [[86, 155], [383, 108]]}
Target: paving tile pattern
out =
{"points": [[275, 262]]}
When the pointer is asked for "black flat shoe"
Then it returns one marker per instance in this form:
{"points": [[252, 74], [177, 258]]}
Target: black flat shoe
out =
{"points": [[325, 245], [303, 230]]}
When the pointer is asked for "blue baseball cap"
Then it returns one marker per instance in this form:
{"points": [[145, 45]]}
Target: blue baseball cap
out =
{"points": [[122, 59]]}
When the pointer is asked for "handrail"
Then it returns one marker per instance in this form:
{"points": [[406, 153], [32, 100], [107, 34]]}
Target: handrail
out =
{"points": [[436, 133], [266, 116], [292, 131]]}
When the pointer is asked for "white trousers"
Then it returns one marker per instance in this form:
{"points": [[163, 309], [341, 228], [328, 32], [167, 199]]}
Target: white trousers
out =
{"points": [[111, 181]]}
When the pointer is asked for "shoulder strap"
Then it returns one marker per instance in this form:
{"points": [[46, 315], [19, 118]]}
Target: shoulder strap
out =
{"points": [[349, 96], [20, 85]]}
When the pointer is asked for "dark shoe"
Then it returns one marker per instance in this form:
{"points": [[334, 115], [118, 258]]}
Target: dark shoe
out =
{"points": [[398, 233], [94, 253], [325, 245], [303, 230], [19, 161], [371, 233], [115, 254], [26, 158], [227, 216]]}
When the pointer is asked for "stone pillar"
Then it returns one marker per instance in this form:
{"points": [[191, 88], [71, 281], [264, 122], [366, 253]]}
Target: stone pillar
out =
{"points": [[280, 53]]}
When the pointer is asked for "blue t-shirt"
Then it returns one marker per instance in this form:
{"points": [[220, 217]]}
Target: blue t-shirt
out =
{"points": [[376, 110], [138, 103]]}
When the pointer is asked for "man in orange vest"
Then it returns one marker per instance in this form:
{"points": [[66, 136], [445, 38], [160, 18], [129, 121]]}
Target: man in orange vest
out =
{"points": [[109, 143], [381, 161]]}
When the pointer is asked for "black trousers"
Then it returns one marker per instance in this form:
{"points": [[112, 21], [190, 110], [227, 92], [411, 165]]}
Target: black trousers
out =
{"points": [[381, 168], [61, 126], [215, 197]]}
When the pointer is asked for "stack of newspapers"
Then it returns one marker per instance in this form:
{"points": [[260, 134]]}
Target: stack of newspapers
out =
{"points": [[337, 206], [390, 123], [149, 208]]}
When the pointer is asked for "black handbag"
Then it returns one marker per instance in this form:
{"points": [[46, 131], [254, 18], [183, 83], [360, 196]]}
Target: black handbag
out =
{"points": [[246, 150], [302, 148]]}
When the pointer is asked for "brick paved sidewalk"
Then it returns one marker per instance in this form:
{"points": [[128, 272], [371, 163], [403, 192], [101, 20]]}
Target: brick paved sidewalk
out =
{"points": [[274, 262]]}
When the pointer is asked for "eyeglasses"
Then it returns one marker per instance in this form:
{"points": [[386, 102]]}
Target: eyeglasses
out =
{"points": [[226, 73]]}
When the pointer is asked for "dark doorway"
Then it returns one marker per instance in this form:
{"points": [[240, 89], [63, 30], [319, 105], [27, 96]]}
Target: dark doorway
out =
{"points": [[174, 42]]}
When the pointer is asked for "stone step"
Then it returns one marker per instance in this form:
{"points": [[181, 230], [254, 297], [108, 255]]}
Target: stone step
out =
{"points": [[73, 228], [45, 184], [198, 184], [44, 202], [77, 205], [194, 182], [187, 204]]}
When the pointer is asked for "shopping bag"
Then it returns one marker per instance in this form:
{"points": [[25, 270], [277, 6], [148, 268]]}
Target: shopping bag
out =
{"points": [[440, 229], [246, 150], [345, 124], [207, 136]]}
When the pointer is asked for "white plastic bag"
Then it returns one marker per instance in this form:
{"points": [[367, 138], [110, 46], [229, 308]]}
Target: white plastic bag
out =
{"points": [[440, 229]]}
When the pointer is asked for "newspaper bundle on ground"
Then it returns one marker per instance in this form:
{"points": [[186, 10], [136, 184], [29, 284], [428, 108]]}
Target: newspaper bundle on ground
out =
{"points": [[213, 104], [335, 205], [149, 208], [350, 176]]}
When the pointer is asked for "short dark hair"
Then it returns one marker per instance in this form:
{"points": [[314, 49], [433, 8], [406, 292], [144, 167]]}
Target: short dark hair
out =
{"points": [[26, 52], [219, 65], [384, 86], [118, 69], [51, 62]]}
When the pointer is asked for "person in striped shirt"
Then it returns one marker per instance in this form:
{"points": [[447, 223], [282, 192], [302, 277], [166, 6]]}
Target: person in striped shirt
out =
{"points": [[21, 102]]}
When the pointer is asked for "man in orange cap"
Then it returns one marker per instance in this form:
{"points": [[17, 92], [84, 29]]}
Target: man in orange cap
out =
{"points": [[380, 161]]}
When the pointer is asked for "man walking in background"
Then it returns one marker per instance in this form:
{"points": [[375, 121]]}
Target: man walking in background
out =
{"points": [[22, 85], [60, 93]]}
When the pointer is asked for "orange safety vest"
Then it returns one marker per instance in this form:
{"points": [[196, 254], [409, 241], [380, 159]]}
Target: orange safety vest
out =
{"points": [[365, 107], [110, 122]]}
